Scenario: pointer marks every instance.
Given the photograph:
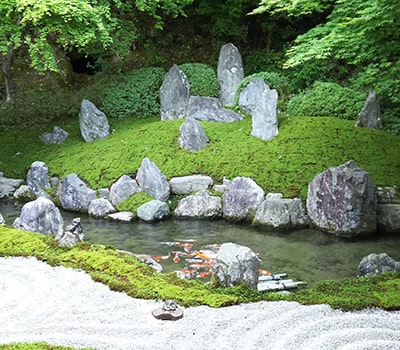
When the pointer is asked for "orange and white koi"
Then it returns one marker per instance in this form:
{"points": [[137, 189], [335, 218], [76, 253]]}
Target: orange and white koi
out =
{"points": [[161, 257]]}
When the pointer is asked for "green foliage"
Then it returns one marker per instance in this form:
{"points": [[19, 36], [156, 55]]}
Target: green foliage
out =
{"points": [[202, 78], [134, 202], [134, 94], [36, 346], [293, 8], [327, 100], [258, 61]]}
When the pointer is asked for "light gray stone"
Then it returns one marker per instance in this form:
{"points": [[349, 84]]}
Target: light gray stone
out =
{"points": [[104, 193], [38, 179], [75, 195], [174, 94], [370, 115], [376, 264], [189, 184], [122, 189], [100, 208], [73, 234], [154, 210], [123, 216], [229, 72], [199, 205], [152, 181], [23, 192], [57, 136], [389, 218], [93, 122], [388, 195], [192, 136], [8, 186], [2, 221]]}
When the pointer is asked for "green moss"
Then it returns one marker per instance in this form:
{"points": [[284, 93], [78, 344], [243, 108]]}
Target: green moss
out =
{"points": [[134, 202], [36, 346]]}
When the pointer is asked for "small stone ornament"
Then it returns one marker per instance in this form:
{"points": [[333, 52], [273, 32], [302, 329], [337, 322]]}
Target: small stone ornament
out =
{"points": [[169, 311]]}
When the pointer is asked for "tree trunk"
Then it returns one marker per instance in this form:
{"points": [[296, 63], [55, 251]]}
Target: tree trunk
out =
{"points": [[6, 66]]}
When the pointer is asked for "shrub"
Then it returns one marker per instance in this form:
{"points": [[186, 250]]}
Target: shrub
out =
{"points": [[134, 94], [327, 100], [202, 78]]}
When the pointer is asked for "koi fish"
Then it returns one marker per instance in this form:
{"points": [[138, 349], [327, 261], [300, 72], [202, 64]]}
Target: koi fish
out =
{"points": [[264, 272], [161, 257], [203, 274]]}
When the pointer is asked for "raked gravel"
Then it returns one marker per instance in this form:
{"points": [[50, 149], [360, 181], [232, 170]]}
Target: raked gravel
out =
{"points": [[66, 307]]}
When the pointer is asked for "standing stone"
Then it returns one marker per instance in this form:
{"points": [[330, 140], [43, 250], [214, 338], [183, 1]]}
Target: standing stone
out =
{"points": [[73, 234], [152, 181], [40, 215], [122, 189], [192, 136], [190, 183], [241, 199], [376, 264], [57, 136], [236, 265], [93, 122], [38, 179], [100, 208], [75, 195], [370, 115], [342, 200], [230, 73], [154, 210], [174, 94], [199, 205], [261, 102]]}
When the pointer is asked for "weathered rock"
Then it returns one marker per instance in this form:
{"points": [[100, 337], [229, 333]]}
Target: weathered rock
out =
{"points": [[174, 94], [93, 122], [122, 189], [370, 115], [2, 221], [100, 208], [222, 187], [389, 218], [104, 193], [281, 213], [261, 102], [8, 186], [229, 72], [152, 181], [23, 192], [38, 179], [75, 195], [73, 234], [236, 265], [199, 205], [123, 216], [189, 184], [376, 264], [192, 136], [57, 136], [210, 109], [388, 195], [40, 215], [155, 210], [342, 200], [241, 199]]}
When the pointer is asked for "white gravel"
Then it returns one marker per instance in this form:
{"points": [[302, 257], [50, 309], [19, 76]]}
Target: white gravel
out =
{"points": [[66, 307]]}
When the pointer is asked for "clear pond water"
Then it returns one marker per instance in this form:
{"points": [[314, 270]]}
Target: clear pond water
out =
{"points": [[307, 255]]}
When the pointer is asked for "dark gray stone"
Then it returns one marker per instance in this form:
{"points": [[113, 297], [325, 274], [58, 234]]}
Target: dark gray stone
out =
{"points": [[229, 72], [189, 184], [389, 218], [73, 234], [174, 94], [122, 189], [192, 136], [100, 208], [155, 210], [75, 195], [93, 122], [376, 264], [199, 205], [370, 115], [152, 181], [8, 186], [57, 136], [38, 179], [261, 102], [342, 200], [236, 265]]}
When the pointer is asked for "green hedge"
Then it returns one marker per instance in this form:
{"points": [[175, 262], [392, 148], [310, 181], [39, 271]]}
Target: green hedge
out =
{"points": [[202, 78]]}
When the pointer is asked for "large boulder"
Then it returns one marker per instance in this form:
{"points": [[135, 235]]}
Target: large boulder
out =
{"points": [[199, 205], [236, 265], [100, 208], [192, 136], [210, 109], [154, 210], [261, 102], [389, 218], [93, 122], [376, 264], [174, 94], [152, 181], [189, 184], [229, 72], [342, 200], [75, 195], [370, 115], [57, 136], [38, 179], [241, 199], [122, 189], [40, 215], [8, 186]]}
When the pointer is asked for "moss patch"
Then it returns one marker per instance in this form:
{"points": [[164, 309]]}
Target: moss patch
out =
{"points": [[36, 346]]}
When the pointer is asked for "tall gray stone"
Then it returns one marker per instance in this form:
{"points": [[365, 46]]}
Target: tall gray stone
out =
{"points": [[241, 199], [199, 205], [75, 195], [174, 94], [229, 72], [154, 210], [38, 179], [236, 265], [261, 102], [370, 115], [122, 189], [376, 264], [40, 215], [152, 181], [342, 200], [192, 136], [190, 183], [57, 136], [93, 122]]}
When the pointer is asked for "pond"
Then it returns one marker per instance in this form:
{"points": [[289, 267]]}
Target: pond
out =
{"points": [[307, 255]]}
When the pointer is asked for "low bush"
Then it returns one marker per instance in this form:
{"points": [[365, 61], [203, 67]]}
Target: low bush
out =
{"points": [[202, 78]]}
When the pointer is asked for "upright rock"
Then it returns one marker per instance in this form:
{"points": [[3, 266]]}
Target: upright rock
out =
{"points": [[38, 179], [199, 205], [342, 200], [376, 264], [152, 181], [75, 195], [261, 102], [241, 199], [174, 94], [93, 122], [40, 215], [192, 136], [2, 221], [236, 265], [57, 136], [122, 189], [230, 73], [370, 115]]}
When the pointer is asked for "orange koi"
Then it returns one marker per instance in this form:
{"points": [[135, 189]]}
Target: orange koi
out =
{"points": [[264, 272], [161, 257], [203, 274]]}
